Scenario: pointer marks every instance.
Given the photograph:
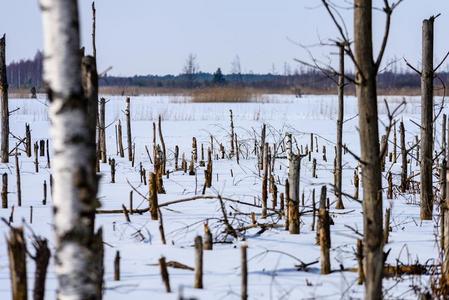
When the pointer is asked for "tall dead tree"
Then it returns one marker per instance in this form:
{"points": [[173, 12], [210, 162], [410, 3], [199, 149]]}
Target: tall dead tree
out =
{"points": [[128, 129], [74, 186], [427, 75], [102, 131], [403, 158], [339, 154], [366, 70], [90, 86], [4, 103]]}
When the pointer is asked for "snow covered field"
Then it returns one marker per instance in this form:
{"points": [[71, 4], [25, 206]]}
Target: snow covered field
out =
{"points": [[272, 254]]}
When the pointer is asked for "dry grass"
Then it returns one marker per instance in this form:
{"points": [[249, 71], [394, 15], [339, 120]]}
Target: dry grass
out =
{"points": [[224, 94]]}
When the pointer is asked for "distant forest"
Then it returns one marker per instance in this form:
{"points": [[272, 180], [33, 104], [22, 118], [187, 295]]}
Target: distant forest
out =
{"points": [[28, 74]]}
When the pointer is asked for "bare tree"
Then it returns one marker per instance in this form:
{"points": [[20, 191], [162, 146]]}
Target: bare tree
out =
{"points": [[4, 102], [191, 68], [74, 183], [366, 70]]}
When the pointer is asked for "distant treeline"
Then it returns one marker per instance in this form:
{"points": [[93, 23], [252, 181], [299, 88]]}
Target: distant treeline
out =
{"points": [[28, 74]]}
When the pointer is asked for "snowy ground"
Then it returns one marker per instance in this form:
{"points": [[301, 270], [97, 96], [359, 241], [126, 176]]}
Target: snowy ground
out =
{"points": [[274, 253]]}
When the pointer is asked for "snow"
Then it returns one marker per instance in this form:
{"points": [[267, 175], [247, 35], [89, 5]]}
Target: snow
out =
{"points": [[273, 254]]}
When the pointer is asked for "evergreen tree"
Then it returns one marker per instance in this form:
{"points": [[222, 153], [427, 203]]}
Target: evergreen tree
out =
{"points": [[218, 78]]}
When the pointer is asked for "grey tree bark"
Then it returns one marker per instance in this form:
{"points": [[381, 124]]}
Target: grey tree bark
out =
{"points": [[427, 74], [339, 154]]}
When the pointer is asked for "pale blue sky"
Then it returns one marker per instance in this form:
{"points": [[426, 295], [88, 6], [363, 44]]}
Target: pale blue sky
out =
{"points": [[155, 36]]}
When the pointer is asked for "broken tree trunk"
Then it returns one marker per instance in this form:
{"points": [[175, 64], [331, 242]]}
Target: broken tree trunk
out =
{"points": [[325, 236], [294, 168], [427, 76], [244, 270], [164, 274], [4, 103], [42, 258], [153, 196], [17, 263], [198, 283]]}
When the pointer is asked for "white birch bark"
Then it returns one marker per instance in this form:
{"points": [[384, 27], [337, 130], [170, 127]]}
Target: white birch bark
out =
{"points": [[74, 189]]}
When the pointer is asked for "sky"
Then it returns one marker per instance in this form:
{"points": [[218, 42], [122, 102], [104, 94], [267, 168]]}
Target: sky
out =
{"points": [[156, 36]]}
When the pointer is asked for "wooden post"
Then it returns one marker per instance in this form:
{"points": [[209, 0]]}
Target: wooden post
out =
{"points": [[164, 274], [4, 102], [18, 182], [244, 284], [427, 114], [198, 283], [5, 190], [153, 196], [17, 263], [128, 128], [325, 236]]}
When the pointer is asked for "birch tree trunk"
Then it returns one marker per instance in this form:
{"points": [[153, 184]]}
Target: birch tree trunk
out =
{"points": [[74, 186], [427, 120], [366, 91], [4, 103]]}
